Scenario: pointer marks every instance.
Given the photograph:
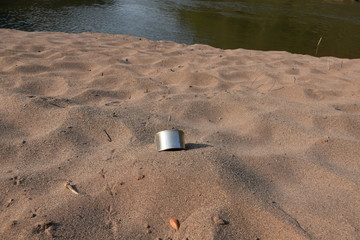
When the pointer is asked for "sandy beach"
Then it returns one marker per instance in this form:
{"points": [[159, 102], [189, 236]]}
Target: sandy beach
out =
{"points": [[272, 141]]}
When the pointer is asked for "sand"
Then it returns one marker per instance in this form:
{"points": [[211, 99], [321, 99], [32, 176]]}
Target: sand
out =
{"points": [[272, 138]]}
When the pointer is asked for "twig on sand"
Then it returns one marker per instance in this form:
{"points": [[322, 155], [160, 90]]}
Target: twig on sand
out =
{"points": [[54, 104], [255, 79], [109, 138], [272, 85], [168, 120], [71, 188], [317, 46], [277, 89]]}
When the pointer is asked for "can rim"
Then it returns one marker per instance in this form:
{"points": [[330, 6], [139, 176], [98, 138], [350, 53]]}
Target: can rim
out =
{"points": [[170, 130]]}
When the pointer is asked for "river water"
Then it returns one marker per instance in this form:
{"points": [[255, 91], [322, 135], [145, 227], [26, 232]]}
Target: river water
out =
{"points": [[287, 25]]}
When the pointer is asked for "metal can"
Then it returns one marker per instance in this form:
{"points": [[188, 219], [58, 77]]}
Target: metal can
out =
{"points": [[170, 140]]}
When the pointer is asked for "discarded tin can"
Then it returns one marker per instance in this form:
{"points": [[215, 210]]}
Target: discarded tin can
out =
{"points": [[169, 140]]}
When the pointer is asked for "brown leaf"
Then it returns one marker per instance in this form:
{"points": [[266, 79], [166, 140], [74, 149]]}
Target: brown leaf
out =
{"points": [[174, 223]]}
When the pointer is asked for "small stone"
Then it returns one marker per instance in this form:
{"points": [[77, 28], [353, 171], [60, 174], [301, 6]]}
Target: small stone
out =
{"points": [[10, 202], [140, 176]]}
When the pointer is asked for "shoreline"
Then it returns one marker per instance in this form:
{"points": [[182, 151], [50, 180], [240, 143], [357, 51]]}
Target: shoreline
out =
{"points": [[185, 44]]}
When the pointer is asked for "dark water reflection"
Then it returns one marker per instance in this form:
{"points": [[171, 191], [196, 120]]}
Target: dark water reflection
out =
{"points": [[288, 25]]}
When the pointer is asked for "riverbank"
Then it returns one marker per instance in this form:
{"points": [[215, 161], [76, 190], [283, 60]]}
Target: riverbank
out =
{"points": [[294, 27], [273, 140]]}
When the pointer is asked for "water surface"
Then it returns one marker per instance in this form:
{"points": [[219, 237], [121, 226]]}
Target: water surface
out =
{"points": [[287, 25]]}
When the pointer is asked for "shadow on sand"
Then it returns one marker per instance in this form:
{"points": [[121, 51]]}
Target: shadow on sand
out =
{"points": [[191, 146]]}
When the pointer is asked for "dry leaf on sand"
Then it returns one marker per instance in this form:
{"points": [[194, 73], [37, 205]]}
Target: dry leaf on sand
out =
{"points": [[174, 223]]}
